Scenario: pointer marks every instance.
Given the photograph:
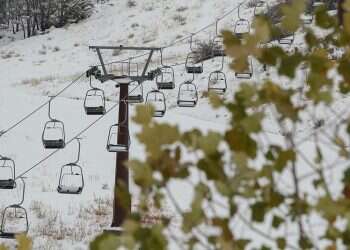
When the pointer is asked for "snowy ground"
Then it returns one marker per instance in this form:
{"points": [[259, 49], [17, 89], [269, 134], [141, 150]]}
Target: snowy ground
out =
{"points": [[43, 65]]}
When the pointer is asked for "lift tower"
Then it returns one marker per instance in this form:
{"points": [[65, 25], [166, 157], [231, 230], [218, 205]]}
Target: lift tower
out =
{"points": [[120, 210]]}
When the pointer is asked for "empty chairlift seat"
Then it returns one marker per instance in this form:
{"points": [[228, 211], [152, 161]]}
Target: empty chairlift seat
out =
{"points": [[54, 134], [218, 46], [194, 65], [113, 142], [71, 179], [261, 8], [188, 95], [157, 99], [95, 103], [246, 74], [166, 79], [14, 221], [217, 82], [241, 27], [135, 92], [7, 173]]}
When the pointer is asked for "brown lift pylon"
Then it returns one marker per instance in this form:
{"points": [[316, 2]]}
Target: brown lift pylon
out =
{"points": [[120, 209]]}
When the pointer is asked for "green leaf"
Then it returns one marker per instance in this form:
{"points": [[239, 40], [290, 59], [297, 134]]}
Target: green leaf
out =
{"points": [[292, 12], [142, 173], [277, 221], [24, 243], [144, 114], [259, 210], [281, 243], [105, 242], [240, 141]]}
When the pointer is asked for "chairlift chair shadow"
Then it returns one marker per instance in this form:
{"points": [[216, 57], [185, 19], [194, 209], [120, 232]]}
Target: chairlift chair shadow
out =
{"points": [[157, 99]]}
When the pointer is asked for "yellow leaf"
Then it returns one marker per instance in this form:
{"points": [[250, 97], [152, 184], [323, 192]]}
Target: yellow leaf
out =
{"points": [[144, 114], [24, 243]]}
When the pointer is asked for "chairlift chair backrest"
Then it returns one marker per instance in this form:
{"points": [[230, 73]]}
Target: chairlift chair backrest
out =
{"points": [[113, 142], [7, 173], [157, 99]]}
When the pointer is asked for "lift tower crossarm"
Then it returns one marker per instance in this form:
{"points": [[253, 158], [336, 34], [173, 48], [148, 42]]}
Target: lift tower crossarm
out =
{"points": [[105, 77]]}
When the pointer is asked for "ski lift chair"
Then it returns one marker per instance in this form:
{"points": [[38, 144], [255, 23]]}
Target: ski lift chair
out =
{"points": [[261, 8], [218, 46], [241, 28], [166, 79], [135, 93], [113, 144], [188, 95], [53, 136], [7, 173], [246, 74], [157, 100], [217, 82], [193, 66], [95, 103], [14, 219], [71, 179], [286, 38]]}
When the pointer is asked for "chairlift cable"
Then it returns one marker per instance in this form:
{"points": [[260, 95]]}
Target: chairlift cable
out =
{"points": [[72, 139], [40, 107]]}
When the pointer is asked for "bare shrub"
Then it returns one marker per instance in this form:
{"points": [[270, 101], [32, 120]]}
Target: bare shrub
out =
{"points": [[131, 3], [182, 9], [180, 19], [206, 50]]}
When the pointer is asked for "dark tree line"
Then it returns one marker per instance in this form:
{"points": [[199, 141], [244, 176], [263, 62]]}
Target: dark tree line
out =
{"points": [[34, 16]]}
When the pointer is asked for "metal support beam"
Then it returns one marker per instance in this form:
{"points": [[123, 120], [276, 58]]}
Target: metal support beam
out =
{"points": [[101, 60]]}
